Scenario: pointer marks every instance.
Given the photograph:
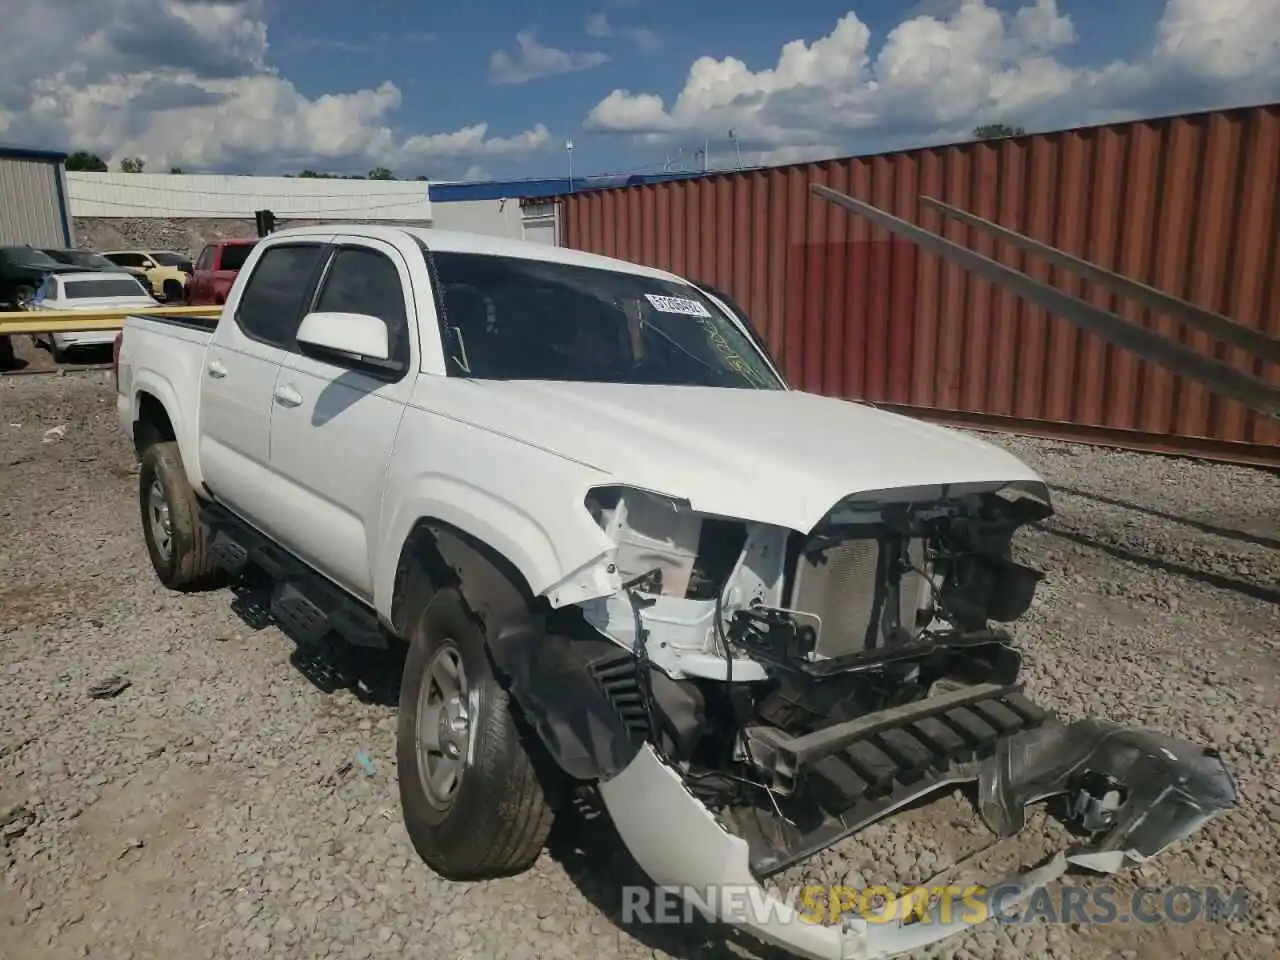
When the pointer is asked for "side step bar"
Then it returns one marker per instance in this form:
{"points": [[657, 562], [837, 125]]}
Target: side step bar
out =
{"points": [[303, 602]]}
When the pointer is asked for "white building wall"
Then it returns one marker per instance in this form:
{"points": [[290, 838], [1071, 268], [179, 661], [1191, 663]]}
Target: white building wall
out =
{"points": [[99, 197], [215, 196], [493, 218]]}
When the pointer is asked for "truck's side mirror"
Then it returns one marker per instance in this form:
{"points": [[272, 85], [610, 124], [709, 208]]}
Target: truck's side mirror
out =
{"points": [[357, 336]]}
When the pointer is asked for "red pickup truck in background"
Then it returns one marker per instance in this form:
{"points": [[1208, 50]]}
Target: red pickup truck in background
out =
{"points": [[216, 270]]}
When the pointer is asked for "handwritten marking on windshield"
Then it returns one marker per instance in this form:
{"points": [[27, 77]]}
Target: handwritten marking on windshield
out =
{"points": [[731, 357]]}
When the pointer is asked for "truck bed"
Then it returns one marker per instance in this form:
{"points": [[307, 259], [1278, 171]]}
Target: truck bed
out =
{"points": [[165, 355]]}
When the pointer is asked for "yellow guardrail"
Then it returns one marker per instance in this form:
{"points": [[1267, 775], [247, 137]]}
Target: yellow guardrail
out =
{"points": [[75, 321]]}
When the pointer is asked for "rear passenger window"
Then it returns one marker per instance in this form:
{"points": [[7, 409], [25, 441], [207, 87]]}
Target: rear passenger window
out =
{"points": [[270, 308], [206, 259], [365, 281]]}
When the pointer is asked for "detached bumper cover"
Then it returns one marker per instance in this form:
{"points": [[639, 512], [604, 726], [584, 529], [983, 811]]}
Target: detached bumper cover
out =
{"points": [[1144, 791]]}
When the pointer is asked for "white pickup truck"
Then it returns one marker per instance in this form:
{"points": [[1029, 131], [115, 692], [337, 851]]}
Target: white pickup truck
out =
{"points": [[622, 553]]}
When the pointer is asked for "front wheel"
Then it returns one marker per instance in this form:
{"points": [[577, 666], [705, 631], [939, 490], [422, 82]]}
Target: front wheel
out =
{"points": [[473, 803], [177, 538]]}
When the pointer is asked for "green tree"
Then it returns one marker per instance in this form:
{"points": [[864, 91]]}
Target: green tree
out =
{"points": [[80, 160], [132, 165], [175, 170], [381, 173], [996, 131]]}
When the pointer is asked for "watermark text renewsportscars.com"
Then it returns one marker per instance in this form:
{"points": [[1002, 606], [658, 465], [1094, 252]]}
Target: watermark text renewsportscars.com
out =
{"points": [[967, 904]]}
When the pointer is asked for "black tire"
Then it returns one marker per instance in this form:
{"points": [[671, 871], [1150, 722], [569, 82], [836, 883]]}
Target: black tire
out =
{"points": [[498, 818], [172, 291], [186, 564], [6, 352]]}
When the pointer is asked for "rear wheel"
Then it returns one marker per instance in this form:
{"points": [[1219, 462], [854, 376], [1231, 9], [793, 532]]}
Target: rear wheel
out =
{"points": [[172, 291], [177, 538], [6, 352], [473, 803]]}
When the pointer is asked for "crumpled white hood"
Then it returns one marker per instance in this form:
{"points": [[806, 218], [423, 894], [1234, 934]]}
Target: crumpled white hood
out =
{"points": [[777, 457]]}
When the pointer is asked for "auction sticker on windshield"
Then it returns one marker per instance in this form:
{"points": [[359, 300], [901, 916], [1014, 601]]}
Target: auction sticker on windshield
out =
{"points": [[690, 308]]}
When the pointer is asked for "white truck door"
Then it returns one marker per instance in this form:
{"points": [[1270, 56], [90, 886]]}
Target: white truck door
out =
{"points": [[334, 421], [239, 374]]}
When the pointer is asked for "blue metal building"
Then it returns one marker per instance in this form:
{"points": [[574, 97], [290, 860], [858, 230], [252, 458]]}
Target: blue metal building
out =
{"points": [[33, 198], [546, 187]]}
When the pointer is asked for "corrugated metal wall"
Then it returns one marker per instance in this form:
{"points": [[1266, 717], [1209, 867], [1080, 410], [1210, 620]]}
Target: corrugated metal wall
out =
{"points": [[29, 208], [1189, 205]]}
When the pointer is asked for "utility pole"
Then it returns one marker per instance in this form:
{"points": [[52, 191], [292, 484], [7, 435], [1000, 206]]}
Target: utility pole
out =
{"points": [[568, 145], [706, 155]]}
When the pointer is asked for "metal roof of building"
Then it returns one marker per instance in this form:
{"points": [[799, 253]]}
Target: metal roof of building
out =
{"points": [[545, 187], [26, 153]]}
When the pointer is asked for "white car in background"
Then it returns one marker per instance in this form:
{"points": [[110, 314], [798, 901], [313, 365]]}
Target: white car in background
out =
{"points": [[87, 290]]}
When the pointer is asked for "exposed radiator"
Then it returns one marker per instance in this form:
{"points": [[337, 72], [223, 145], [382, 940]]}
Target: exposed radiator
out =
{"points": [[839, 586]]}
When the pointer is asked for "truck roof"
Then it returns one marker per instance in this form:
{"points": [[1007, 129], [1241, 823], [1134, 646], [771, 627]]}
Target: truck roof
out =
{"points": [[453, 241]]}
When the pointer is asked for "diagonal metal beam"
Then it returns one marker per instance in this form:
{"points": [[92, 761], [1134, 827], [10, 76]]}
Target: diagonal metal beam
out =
{"points": [[1215, 375], [1221, 328]]}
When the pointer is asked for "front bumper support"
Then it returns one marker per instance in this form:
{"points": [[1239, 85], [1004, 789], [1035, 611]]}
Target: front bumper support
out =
{"points": [[1137, 791]]}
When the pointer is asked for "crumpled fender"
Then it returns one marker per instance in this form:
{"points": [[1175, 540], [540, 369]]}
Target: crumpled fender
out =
{"points": [[1173, 787]]}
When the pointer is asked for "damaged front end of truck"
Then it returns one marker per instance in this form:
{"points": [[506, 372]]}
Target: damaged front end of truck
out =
{"points": [[749, 695]]}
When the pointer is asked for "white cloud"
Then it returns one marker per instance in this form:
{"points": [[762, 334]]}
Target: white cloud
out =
{"points": [[190, 83], [534, 61], [953, 64], [304, 44], [598, 26]]}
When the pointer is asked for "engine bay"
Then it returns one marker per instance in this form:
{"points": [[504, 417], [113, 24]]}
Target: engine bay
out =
{"points": [[753, 657]]}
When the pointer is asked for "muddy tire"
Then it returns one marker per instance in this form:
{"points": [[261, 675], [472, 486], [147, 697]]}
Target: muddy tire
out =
{"points": [[472, 799], [177, 539]]}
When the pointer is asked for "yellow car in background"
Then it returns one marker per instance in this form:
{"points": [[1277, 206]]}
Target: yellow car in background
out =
{"points": [[167, 272]]}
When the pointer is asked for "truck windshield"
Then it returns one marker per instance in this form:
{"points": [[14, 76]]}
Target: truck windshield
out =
{"points": [[234, 255], [28, 257], [81, 258], [507, 318]]}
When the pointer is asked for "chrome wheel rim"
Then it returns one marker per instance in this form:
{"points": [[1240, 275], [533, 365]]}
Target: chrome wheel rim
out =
{"points": [[443, 732], [158, 515]]}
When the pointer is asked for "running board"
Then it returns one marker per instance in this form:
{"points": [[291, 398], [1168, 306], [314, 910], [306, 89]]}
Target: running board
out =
{"points": [[304, 602]]}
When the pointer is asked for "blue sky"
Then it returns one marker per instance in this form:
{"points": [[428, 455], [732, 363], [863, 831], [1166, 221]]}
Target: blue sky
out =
{"points": [[326, 45], [482, 88]]}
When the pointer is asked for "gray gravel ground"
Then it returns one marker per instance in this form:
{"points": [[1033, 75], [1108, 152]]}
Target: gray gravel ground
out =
{"points": [[219, 805]]}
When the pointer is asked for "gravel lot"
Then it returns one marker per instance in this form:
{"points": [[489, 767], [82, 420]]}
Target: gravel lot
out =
{"points": [[221, 805]]}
